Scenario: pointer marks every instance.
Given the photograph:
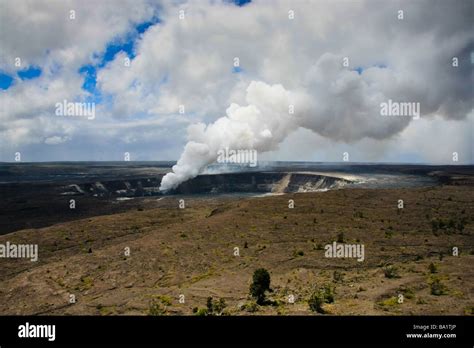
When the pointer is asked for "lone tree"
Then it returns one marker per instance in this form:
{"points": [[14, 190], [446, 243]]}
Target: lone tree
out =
{"points": [[260, 284]]}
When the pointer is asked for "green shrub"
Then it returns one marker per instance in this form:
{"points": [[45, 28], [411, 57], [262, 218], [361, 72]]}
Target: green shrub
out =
{"points": [[156, 308], [437, 288], [251, 307], [340, 237], [407, 292], [319, 297], [213, 307], [328, 293], [260, 284], [390, 272], [298, 253], [338, 276], [201, 312], [316, 302]]}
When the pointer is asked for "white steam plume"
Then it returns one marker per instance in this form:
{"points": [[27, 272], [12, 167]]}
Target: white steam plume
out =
{"points": [[333, 101], [261, 125]]}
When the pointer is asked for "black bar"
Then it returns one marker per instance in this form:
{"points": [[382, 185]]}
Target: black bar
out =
{"points": [[261, 330]]}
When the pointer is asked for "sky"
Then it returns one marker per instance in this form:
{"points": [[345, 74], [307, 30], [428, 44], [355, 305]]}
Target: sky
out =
{"points": [[156, 71]]}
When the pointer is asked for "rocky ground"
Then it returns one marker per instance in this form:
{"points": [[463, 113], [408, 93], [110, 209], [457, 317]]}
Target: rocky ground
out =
{"points": [[192, 252]]}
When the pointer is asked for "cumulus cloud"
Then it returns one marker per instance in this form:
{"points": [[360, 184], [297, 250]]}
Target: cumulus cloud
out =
{"points": [[63, 32], [190, 62], [46, 34], [333, 100]]}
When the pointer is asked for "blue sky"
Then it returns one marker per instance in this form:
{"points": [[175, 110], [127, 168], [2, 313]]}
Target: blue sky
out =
{"points": [[125, 44], [6, 81]]}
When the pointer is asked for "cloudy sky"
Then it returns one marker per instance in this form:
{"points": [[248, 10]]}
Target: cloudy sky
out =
{"points": [[156, 69]]}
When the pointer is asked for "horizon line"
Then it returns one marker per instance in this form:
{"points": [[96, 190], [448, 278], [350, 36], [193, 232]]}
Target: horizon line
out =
{"points": [[218, 164]]}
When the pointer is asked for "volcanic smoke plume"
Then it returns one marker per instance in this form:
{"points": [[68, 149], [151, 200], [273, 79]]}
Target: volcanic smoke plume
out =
{"points": [[334, 101], [261, 125]]}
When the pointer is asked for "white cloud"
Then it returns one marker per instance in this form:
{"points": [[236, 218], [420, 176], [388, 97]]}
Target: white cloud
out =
{"points": [[41, 33], [189, 62]]}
